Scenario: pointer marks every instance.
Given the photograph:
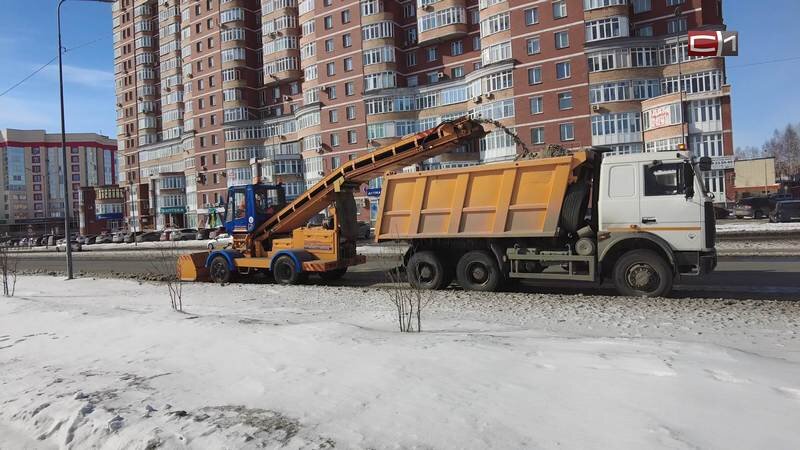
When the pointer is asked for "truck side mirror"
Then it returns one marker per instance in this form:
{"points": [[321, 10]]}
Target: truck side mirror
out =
{"points": [[704, 163], [688, 180]]}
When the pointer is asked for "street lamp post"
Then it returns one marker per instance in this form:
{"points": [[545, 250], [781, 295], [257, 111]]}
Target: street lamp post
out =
{"points": [[64, 138]]}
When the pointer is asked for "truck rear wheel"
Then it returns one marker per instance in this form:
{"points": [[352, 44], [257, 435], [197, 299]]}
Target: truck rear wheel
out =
{"points": [[285, 272], [427, 271], [642, 273], [219, 270], [477, 271], [573, 210]]}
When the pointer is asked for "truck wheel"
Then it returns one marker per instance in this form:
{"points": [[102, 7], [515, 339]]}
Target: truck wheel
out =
{"points": [[477, 271], [425, 270], [219, 270], [285, 271], [333, 275], [642, 273], [573, 210]]}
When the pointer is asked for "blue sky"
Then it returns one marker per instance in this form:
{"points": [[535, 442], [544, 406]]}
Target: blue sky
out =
{"points": [[765, 96]]}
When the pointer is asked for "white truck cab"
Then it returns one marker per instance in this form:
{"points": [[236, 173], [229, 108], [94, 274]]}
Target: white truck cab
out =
{"points": [[657, 201]]}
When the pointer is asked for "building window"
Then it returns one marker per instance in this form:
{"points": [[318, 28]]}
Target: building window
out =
{"points": [[535, 75], [330, 69], [348, 64], [351, 112], [537, 135], [562, 39], [347, 40], [349, 87], [346, 16], [565, 100], [645, 31], [563, 70], [332, 92], [432, 53], [328, 22], [640, 6], [537, 105], [567, 131], [352, 137], [679, 25], [612, 27], [411, 58], [559, 9], [457, 72], [534, 46], [328, 45], [333, 115], [531, 16], [334, 139]]}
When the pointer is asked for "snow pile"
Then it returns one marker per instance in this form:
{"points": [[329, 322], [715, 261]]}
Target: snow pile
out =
{"points": [[757, 227], [106, 363]]}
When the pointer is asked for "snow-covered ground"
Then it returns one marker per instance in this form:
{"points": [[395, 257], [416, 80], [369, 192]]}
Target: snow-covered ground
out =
{"points": [[748, 226], [105, 363]]}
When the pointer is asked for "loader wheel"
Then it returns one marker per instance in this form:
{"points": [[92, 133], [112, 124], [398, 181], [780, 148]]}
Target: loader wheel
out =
{"points": [[285, 271], [477, 271], [642, 273], [573, 211], [425, 270], [219, 270], [333, 275]]}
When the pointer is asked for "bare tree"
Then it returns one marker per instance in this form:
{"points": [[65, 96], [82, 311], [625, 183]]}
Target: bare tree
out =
{"points": [[8, 270], [784, 146], [165, 268], [409, 301]]}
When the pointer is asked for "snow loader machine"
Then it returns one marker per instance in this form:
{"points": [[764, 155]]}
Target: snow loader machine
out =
{"points": [[271, 235]]}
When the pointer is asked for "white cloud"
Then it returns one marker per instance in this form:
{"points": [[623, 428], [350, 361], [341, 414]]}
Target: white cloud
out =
{"points": [[28, 114], [80, 75]]}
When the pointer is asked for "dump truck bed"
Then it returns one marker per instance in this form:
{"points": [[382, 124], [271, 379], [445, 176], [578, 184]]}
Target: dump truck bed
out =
{"points": [[512, 199]]}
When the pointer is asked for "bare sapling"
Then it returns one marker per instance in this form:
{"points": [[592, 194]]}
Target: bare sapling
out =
{"points": [[8, 271], [164, 266], [409, 301]]}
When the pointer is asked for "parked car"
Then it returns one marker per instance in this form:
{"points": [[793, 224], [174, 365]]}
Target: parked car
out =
{"points": [[721, 213], [61, 245], [103, 238], [364, 230], [785, 211], [119, 237], [130, 237], [202, 233], [216, 232], [149, 236], [165, 234], [221, 241], [90, 240], [755, 207], [184, 234]]}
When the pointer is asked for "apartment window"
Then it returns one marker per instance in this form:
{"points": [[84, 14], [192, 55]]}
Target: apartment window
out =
{"points": [[476, 42], [457, 72], [211, 42], [328, 22], [326, 3], [531, 16], [328, 45], [348, 64], [565, 100], [606, 28], [432, 53], [640, 6], [678, 25], [411, 58], [675, 2], [349, 87], [351, 112], [563, 70], [456, 48], [495, 24], [347, 40], [562, 39], [334, 139], [412, 80], [559, 9], [352, 137], [332, 92], [534, 46], [330, 68], [644, 31], [333, 115], [537, 105], [535, 75], [346, 16], [537, 135], [567, 131]]}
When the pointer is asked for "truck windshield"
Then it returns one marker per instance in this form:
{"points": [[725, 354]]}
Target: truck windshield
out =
{"points": [[263, 203], [703, 183]]}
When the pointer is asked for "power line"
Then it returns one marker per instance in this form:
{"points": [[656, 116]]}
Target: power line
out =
{"points": [[761, 63], [66, 50]]}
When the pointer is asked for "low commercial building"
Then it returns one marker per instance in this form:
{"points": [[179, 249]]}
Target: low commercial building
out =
{"points": [[102, 209], [755, 177]]}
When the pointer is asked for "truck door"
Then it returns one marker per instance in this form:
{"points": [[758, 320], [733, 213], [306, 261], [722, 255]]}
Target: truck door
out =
{"points": [[236, 211], [665, 210], [619, 201]]}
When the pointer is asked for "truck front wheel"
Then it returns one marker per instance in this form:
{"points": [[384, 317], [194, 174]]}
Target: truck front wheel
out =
{"points": [[427, 271], [219, 270], [285, 271], [478, 271], [642, 273]]}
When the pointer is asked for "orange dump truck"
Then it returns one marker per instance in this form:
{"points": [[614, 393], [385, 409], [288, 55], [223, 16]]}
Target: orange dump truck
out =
{"points": [[489, 225]]}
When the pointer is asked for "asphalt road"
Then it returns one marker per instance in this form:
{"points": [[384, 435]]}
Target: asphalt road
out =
{"points": [[736, 277]]}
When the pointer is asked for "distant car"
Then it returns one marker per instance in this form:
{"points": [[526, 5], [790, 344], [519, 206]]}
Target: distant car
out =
{"points": [[721, 213], [785, 211], [222, 241], [364, 230], [130, 238], [755, 207], [202, 233], [89, 240], [165, 234], [184, 234], [103, 238], [61, 245], [216, 232], [149, 236], [119, 237]]}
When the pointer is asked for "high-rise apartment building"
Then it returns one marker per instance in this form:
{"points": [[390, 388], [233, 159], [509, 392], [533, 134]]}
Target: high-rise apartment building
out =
{"points": [[32, 176], [214, 92]]}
